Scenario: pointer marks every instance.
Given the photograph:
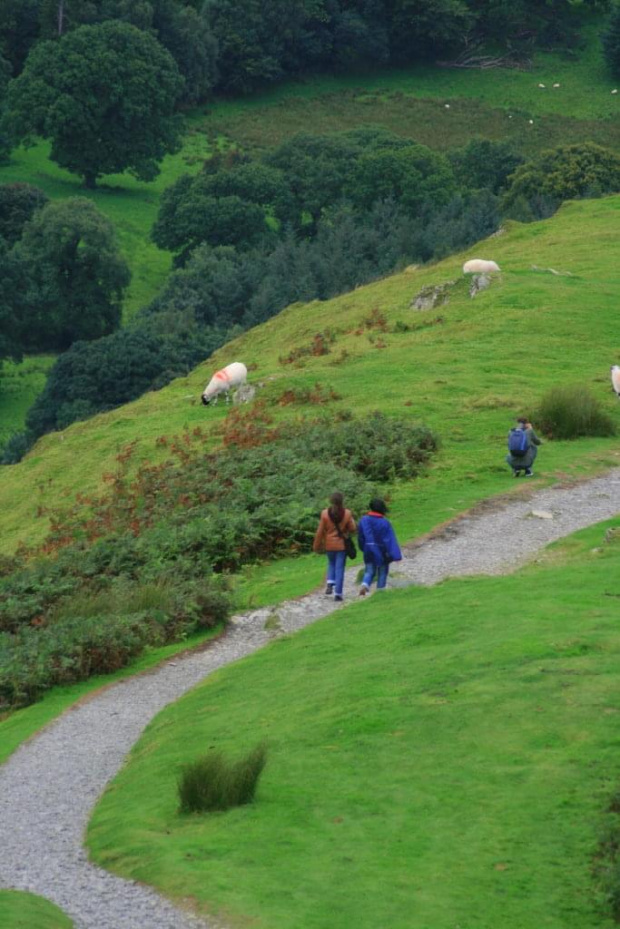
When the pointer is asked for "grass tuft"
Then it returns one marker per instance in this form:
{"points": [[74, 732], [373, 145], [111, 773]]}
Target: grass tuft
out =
{"points": [[571, 412], [213, 783]]}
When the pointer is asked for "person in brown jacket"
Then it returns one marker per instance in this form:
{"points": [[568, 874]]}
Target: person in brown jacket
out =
{"points": [[336, 523]]}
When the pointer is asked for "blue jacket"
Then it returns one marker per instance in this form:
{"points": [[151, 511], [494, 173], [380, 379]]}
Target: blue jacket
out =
{"points": [[377, 540]]}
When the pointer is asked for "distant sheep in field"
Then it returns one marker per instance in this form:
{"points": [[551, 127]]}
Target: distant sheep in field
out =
{"points": [[480, 266], [615, 380], [233, 375]]}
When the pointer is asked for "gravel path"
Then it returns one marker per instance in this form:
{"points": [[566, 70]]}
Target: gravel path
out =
{"points": [[50, 785]]}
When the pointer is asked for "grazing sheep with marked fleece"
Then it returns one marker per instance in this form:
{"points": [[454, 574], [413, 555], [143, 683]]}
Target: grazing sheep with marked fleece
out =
{"points": [[480, 266], [233, 375], [615, 380]]}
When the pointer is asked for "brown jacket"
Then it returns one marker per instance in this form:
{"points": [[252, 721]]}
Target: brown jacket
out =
{"points": [[326, 538]]}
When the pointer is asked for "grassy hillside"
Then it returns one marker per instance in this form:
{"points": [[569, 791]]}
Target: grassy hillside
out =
{"points": [[20, 384], [438, 757], [25, 911], [466, 369]]}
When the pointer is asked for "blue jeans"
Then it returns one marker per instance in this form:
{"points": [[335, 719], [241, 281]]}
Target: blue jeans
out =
{"points": [[381, 571], [335, 570]]}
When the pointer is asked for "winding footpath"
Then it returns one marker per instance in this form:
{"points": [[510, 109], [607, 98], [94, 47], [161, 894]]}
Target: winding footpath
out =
{"points": [[49, 786]]}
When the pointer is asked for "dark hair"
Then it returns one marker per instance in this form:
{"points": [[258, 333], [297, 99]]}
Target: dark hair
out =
{"points": [[377, 505], [521, 419], [336, 510]]}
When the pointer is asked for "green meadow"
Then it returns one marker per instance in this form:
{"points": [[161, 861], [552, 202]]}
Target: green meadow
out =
{"points": [[25, 911], [437, 757]]}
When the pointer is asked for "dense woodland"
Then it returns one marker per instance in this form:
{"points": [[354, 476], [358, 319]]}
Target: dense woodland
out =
{"points": [[238, 45], [106, 83]]}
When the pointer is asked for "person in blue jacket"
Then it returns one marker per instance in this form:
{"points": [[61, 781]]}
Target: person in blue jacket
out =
{"points": [[378, 543]]}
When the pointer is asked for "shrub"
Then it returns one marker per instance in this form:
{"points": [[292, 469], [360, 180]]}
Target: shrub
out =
{"points": [[570, 412], [568, 171], [142, 564], [213, 783]]}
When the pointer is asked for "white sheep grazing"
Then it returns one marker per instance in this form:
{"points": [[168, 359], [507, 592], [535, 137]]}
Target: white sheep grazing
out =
{"points": [[615, 379], [233, 375], [479, 266]]}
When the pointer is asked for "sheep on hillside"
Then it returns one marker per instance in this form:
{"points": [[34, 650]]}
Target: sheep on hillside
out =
{"points": [[615, 379], [480, 266], [233, 375]]}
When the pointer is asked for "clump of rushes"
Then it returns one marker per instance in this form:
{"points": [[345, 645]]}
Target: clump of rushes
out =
{"points": [[572, 412], [214, 783]]}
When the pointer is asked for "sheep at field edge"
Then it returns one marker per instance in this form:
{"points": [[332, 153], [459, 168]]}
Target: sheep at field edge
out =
{"points": [[615, 380], [233, 375], [480, 266]]}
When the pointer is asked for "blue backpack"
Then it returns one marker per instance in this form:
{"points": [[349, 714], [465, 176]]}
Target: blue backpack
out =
{"points": [[518, 442]]}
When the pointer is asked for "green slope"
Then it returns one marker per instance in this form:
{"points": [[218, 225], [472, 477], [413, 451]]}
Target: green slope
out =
{"points": [[438, 757], [25, 911], [466, 369]]}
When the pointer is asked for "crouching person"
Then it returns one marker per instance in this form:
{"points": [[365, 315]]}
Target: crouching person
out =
{"points": [[522, 448], [377, 541]]}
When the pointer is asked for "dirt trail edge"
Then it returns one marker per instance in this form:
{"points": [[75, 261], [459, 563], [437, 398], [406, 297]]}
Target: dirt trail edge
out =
{"points": [[49, 786]]}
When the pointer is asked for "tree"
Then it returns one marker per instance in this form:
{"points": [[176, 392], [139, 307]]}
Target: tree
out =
{"points": [[190, 214], [426, 28], [18, 204], [105, 97], [186, 34], [610, 39], [76, 274], [316, 168], [12, 318], [19, 30], [413, 176], [483, 163], [215, 286], [566, 172]]}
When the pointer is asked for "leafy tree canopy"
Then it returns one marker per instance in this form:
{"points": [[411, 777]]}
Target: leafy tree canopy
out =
{"points": [[316, 169], [18, 204], [190, 214], [566, 172], [610, 39], [76, 274], [425, 28], [413, 176], [12, 311], [104, 96], [484, 164]]}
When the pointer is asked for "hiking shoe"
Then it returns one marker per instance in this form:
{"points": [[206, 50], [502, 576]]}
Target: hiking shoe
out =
{"points": [[338, 598], [517, 474], [363, 590], [329, 589], [529, 472]]}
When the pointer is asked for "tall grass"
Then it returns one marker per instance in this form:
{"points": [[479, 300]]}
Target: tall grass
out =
{"points": [[213, 783], [571, 412]]}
